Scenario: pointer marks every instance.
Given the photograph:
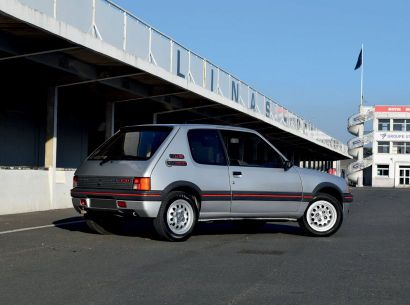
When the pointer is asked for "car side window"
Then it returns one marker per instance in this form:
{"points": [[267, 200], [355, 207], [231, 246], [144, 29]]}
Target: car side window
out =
{"points": [[248, 149], [206, 147]]}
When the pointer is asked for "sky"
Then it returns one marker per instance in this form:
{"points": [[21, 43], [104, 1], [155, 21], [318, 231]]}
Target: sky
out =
{"points": [[301, 53]]}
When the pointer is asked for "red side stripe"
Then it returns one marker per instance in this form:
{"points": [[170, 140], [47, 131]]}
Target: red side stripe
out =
{"points": [[267, 196], [257, 195]]}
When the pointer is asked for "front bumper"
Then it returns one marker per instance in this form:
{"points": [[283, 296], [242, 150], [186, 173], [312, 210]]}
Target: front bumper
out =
{"points": [[347, 202], [347, 198]]}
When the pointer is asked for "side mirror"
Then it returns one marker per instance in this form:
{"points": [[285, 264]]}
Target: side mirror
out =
{"points": [[287, 164]]}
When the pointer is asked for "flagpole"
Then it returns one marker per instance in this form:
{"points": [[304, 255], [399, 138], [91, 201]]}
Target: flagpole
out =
{"points": [[361, 79]]}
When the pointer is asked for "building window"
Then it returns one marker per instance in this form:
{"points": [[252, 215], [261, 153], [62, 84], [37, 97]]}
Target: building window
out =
{"points": [[383, 170], [401, 125], [401, 148], [383, 147], [398, 125], [384, 125]]}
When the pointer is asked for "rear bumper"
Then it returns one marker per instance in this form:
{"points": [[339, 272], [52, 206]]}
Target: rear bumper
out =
{"points": [[144, 204]]}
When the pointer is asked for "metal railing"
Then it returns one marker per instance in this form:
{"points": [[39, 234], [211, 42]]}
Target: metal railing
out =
{"points": [[118, 27]]}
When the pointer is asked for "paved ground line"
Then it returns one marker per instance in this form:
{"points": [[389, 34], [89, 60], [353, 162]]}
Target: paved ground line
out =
{"points": [[41, 227]]}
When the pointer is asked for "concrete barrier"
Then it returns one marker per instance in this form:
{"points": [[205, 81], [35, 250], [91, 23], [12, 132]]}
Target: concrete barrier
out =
{"points": [[31, 190]]}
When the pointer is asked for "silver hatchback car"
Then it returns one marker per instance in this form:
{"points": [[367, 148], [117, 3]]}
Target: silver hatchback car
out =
{"points": [[181, 174]]}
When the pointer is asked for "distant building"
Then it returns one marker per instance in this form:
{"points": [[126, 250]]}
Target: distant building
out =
{"points": [[389, 164]]}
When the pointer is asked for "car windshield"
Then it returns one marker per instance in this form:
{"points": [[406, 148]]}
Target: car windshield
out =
{"points": [[133, 143]]}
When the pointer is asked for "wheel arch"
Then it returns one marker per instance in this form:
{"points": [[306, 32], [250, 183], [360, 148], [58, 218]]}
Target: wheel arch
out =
{"points": [[187, 187], [330, 189]]}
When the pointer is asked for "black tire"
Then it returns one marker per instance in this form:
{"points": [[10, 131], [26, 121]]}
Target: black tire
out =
{"points": [[322, 215], [102, 223], [164, 230]]}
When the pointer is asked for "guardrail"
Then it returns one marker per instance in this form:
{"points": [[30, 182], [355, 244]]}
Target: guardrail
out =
{"points": [[118, 27]]}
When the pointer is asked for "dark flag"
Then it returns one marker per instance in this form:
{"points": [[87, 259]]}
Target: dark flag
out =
{"points": [[359, 60]]}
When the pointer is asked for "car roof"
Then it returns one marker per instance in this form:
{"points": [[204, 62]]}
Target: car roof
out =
{"points": [[195, 126]]}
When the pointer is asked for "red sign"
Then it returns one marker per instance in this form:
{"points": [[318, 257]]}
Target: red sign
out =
{"points": [[392, 108]]}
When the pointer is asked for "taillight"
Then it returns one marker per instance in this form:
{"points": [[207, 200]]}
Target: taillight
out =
{"points": [[142, 184], [83, 202], [75, 181], [121, 204]]}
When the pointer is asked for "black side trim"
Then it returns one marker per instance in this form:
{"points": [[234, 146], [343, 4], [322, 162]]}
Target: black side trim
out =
{"points": [[255, 196], [117, 194], [267, 196], [216, 196]]}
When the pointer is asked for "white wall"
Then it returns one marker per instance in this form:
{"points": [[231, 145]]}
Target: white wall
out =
{"points": [[394, 161], [28, 190], [63, 185]]}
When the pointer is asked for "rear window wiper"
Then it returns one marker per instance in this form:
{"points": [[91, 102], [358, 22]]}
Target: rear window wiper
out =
{"points": [[122, 157], [105, 160], [131, 157]]}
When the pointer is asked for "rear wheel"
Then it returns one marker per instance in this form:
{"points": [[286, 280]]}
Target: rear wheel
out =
{"points": [[177, 217], [323, 217], [102, 223]]}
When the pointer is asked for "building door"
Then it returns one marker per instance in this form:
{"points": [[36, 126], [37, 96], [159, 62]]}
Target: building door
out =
{"points": [[404, 175]]}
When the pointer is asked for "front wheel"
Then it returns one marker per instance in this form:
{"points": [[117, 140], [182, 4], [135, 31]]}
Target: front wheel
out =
{"points": [[177, 217], [323, 217]]}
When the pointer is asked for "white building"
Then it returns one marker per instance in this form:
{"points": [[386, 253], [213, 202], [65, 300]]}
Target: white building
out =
{"points": [[389, 164]]}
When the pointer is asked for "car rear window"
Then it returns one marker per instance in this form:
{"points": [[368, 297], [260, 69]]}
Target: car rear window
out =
{"points": [[133, 143]]}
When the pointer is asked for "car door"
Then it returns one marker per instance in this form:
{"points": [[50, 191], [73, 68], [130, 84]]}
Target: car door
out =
{"points": [[260, 185], [210, 172]]}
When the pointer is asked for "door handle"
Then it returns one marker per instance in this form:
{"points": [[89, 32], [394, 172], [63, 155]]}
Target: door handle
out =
{"points": [[237, 174]]}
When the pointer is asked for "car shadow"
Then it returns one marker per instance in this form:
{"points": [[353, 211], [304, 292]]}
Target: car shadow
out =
{"points": [[234, 227], [144, 228], [73, 224]]}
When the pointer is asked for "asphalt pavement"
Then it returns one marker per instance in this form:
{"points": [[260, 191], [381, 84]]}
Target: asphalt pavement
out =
{"points": [[52, 258]]}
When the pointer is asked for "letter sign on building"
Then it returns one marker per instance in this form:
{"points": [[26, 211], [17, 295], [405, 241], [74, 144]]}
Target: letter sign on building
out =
{"points": [[235, 91], [267, 108], [253, 102], [179, 73]]}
